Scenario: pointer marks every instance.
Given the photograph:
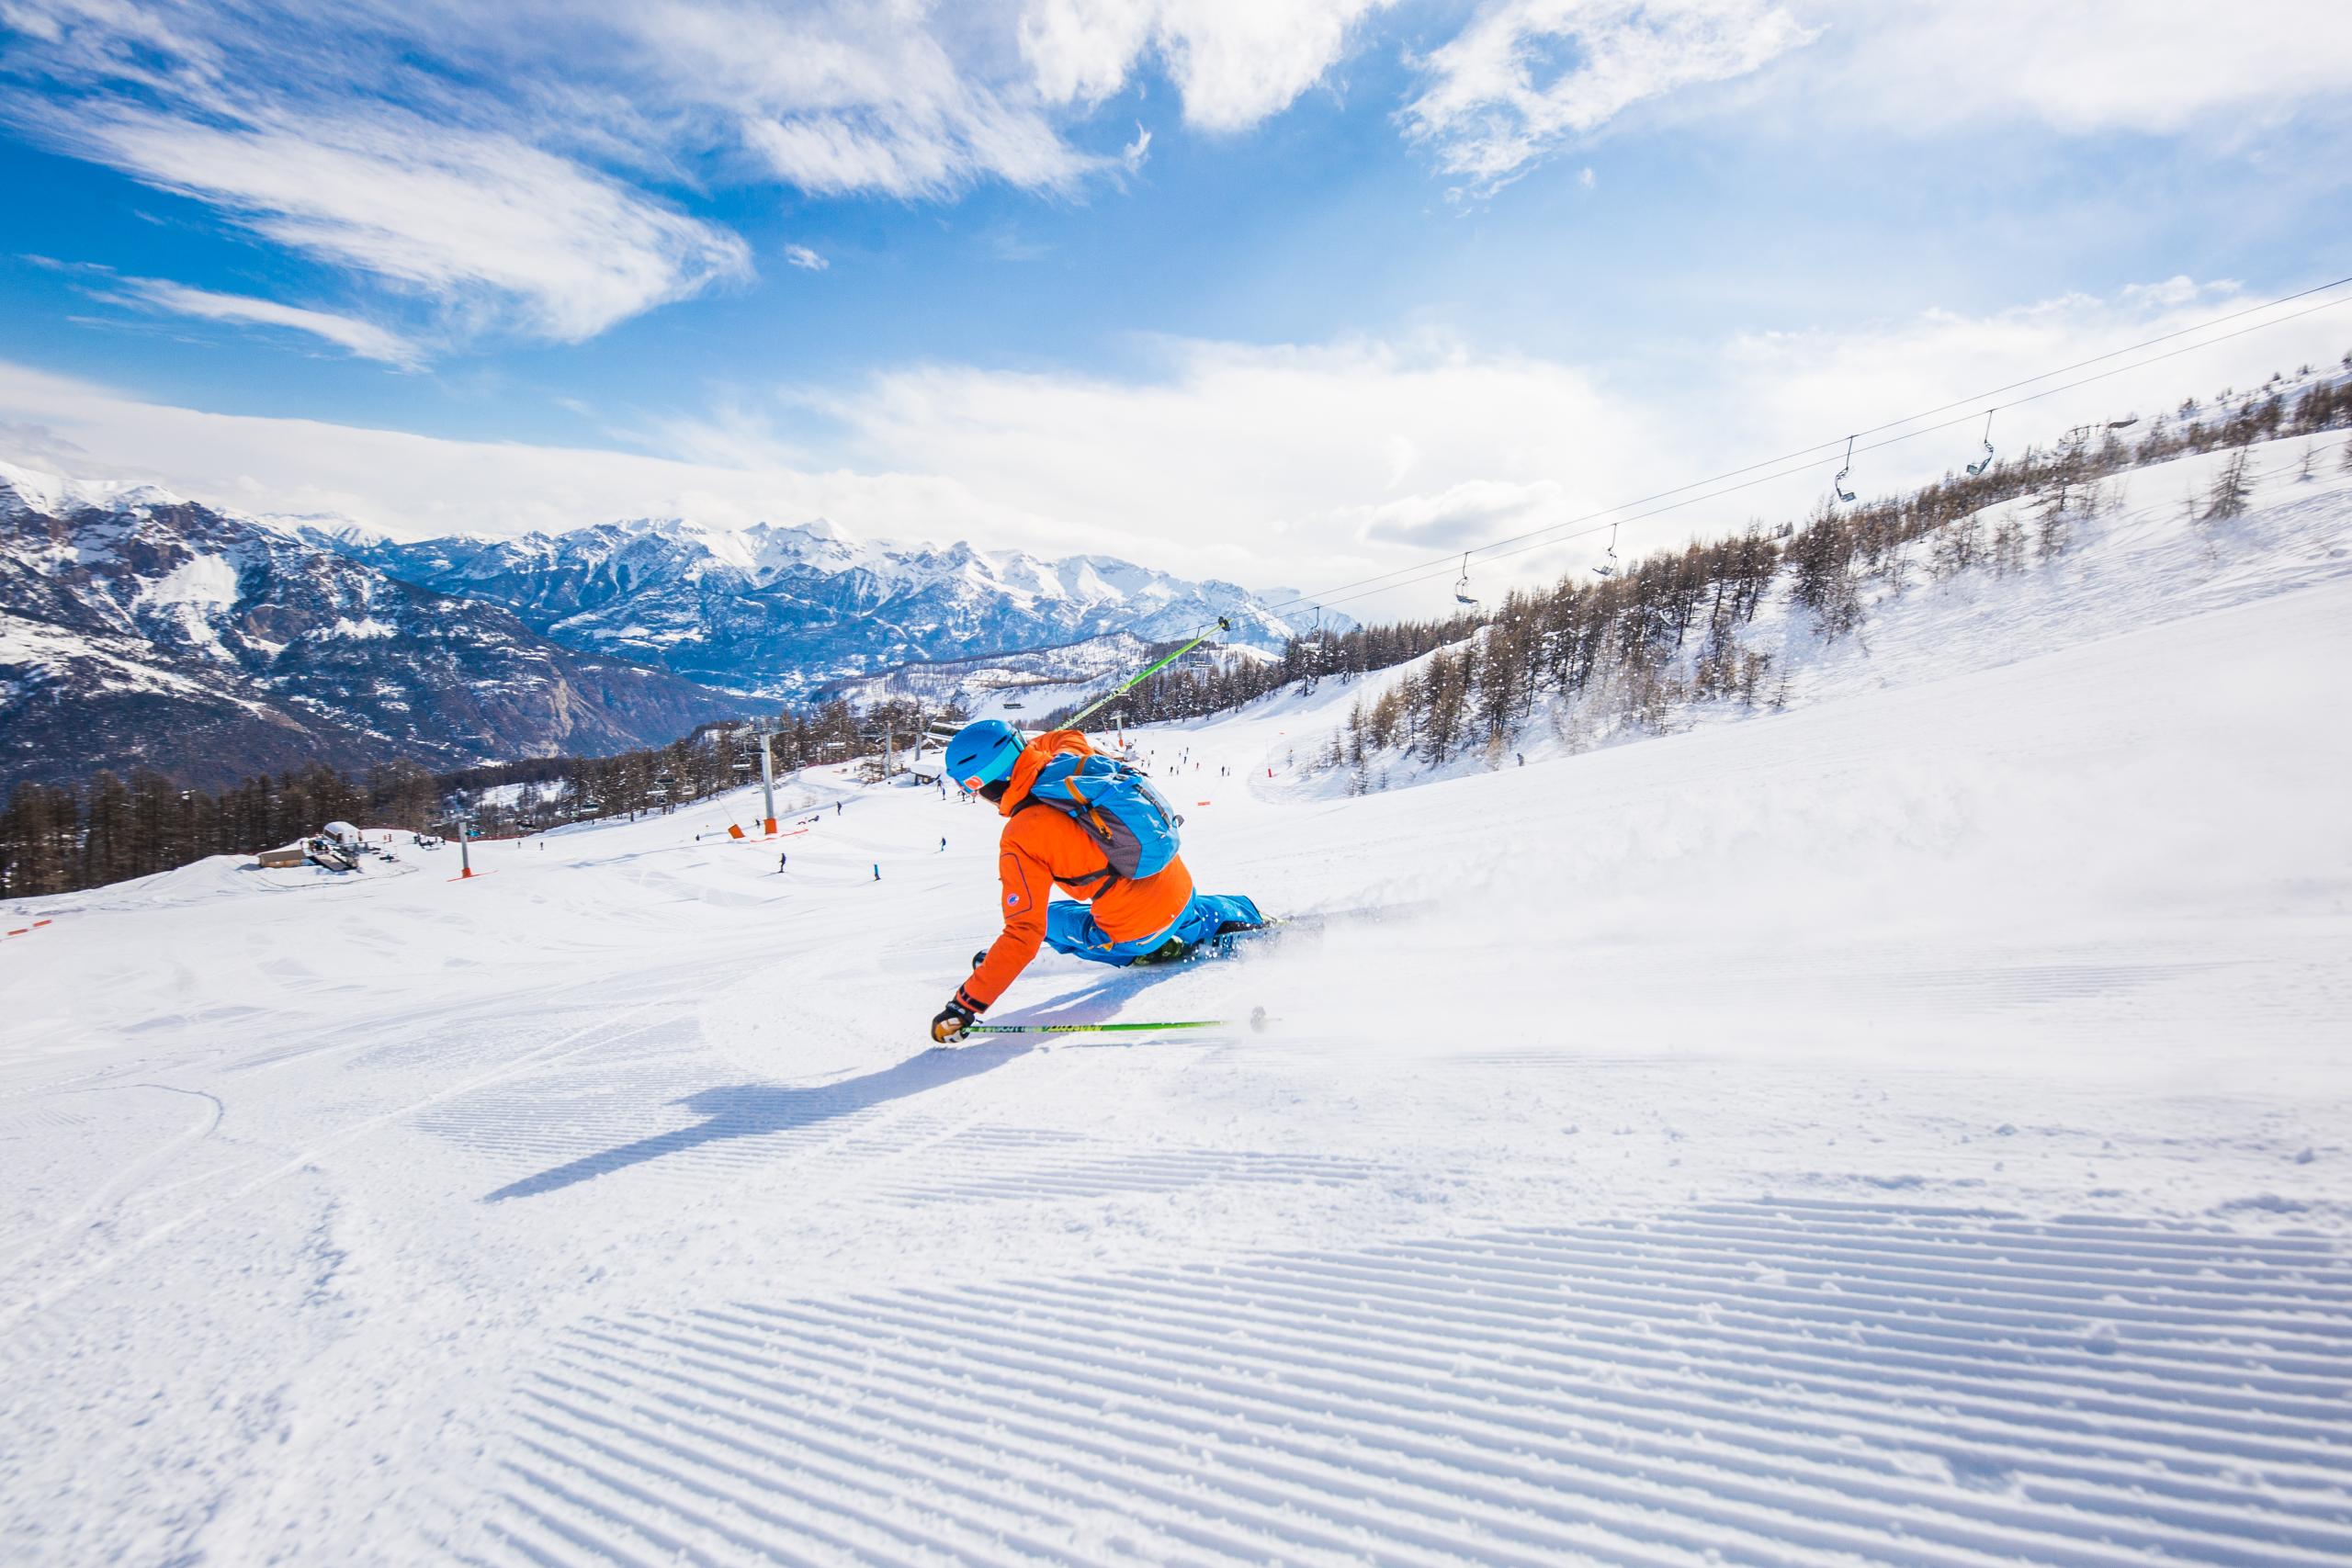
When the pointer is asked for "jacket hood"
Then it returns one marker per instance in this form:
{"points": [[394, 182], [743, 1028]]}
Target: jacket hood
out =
{"points": [[1031, 761]]}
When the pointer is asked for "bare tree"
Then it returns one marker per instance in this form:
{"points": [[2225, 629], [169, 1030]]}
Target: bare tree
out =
{"points": [[2232, 487]]}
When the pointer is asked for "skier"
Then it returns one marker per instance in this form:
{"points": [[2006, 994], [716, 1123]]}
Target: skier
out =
{"points": [[1157, 916], [782, 861], [877, 871]]}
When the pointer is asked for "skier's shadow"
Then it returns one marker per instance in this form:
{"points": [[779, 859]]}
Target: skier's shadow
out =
{"points": [[1080, 1007], [748, 1110]]}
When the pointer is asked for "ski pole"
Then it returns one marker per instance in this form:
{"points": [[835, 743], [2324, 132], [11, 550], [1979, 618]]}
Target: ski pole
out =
{"points": [[1221, 625], [1257, 1019]]}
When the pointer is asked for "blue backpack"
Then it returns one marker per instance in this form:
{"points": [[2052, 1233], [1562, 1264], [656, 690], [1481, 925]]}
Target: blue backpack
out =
{"points": [[1117, 808]]}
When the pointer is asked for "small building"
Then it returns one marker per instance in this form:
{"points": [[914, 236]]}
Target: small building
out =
{"points": [[283, 858]]}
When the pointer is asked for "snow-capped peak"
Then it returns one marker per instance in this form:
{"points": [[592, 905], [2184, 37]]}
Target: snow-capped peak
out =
{"points": [[54, 494]]}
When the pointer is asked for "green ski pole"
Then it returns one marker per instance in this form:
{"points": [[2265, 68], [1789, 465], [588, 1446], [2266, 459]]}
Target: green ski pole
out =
{"points": [[1075, 719]]}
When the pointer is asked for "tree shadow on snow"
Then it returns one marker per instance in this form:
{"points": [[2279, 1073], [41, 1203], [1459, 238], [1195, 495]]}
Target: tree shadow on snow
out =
{"points": [[748, 1110]]}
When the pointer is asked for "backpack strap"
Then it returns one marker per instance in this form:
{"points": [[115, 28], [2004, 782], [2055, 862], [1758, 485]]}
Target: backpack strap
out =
{"points": [[1103, 881]]}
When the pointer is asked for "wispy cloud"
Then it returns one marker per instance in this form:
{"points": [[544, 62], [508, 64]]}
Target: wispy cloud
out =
{"points": [[329, 131], [502, 165], [805, 259], [1234, 64], [496, 231], [1525, 76], [363, 338], [1308, 463], [2156, 66]]}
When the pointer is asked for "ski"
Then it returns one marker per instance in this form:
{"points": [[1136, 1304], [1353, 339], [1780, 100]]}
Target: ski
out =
{"points": [[1257, 1021]]}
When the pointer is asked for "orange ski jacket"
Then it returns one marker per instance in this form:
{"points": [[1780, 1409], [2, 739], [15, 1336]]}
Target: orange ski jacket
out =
{"points": [[1044, 849]]}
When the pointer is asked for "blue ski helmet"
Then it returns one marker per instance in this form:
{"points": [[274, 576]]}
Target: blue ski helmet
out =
{"points": [[983, 752]]}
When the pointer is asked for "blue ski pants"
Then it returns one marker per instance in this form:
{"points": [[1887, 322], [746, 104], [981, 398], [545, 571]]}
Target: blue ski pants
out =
{"points": [[1070, 928]]}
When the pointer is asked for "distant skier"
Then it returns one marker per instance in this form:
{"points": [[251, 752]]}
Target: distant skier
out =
{"points": [[782, 861], [943, 843], [877, 871], [1155, 916]]}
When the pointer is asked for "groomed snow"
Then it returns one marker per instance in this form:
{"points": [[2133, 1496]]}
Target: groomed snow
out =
{"points": [[1909, 1128]]}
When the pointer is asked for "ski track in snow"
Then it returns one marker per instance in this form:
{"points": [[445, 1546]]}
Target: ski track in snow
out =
{"points": [[1908, 1128], [1758, 1382]]}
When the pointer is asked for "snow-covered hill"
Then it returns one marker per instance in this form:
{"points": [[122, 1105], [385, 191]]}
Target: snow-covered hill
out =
{"points": [[1905, 1128], [2145, 550], [140, 628], [788, 610]]}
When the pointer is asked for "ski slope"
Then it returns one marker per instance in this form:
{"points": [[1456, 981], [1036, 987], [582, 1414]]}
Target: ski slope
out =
{"points": [[1909, 1128]]}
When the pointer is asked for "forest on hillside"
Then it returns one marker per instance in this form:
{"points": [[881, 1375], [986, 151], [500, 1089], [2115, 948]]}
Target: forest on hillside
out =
{"points": [[59, 839]]}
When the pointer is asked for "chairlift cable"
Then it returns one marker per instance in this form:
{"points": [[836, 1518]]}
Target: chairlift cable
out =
{"points": [[1424, 570]]}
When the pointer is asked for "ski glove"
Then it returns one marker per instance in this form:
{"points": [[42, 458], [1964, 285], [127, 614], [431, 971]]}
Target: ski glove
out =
{"points": [[953, 1020]]}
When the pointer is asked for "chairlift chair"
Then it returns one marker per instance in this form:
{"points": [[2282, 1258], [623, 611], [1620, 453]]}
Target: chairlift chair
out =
{"points": [[1838, 484], [1977, 468], [1608, 564], [1462, 587]]}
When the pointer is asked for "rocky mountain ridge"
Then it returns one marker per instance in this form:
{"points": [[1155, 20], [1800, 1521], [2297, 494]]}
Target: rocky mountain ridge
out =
{"points": [[784, 611], [137, 628]]}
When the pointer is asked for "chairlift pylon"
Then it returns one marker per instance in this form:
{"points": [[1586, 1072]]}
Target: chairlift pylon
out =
{"points": [[1838, 484], [1462, 586], [1977, 468]]}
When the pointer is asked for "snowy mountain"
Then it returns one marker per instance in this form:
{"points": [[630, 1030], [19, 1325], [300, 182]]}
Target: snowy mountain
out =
{"points": [[784, 610], [138, 627]]}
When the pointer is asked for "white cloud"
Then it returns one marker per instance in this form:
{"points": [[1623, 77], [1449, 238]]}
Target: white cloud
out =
{"points": [[1259, 464], [1526, 75], [363, 338], [2161, 66], [1462, 516], [482, 223], [806, 259], [499, 163], [324, 132], [415, 485], [1235, 63], [1305, 464]]}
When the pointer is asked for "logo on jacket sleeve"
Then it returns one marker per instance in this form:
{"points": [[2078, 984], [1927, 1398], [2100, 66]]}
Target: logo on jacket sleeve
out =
{"points": [[1011, 900]]}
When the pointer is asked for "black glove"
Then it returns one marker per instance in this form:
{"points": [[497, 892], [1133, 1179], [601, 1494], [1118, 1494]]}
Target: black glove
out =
{"points": [[953, 1020]]}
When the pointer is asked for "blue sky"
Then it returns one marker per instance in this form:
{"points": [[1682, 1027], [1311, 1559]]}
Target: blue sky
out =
{"points": [[1281, 290]]}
